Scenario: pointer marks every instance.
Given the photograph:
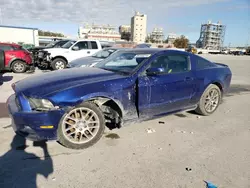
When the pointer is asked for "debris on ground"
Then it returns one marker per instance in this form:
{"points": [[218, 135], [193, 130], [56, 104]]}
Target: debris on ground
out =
{"points": [[161, 122], [150, 130], [191, 132], [112, 136], [210, 185], [53, 178], [188, 169], [198, 117], [159, 148]]}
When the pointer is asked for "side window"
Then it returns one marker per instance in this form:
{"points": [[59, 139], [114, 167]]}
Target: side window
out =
{"points": [[203, 64], [82, 45], [172, 63], [94, 45], [6, 48]]}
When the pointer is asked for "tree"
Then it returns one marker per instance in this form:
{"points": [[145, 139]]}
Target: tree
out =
{"points": [[181, 42], [49, 34]]}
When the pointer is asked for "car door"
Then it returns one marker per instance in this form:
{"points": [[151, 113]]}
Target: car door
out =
{"points": [[78, 50], [169, 91], [94, 47]]}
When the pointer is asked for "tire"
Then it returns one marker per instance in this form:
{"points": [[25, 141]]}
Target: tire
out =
{"points": [[199, 52], [58, 64], [64, 127], [203, 103], [18, 66]]}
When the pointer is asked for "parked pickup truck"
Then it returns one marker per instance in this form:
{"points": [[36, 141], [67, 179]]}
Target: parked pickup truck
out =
{"points": [[58, 58]]}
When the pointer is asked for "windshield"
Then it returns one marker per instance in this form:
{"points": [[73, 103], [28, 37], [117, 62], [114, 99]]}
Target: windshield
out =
{"points": [[103, 53], [50, 44], [68, 44], [124, 62]]}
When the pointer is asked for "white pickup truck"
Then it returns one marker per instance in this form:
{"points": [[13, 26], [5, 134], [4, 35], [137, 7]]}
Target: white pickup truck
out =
{"points": [[58, 58]]}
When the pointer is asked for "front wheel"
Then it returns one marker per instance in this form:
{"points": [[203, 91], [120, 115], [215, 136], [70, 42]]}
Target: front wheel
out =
{"points": [[209, 100], [58, 64], [18, 66], [81, 127]]}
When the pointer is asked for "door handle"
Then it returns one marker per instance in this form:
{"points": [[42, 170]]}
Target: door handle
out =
{"points": [[189, 78], [88, 52]]}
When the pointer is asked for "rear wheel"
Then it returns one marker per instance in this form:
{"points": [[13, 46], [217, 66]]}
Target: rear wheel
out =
{"points": [[209, 100], [81, 127], [18, 66], [58, 64]]}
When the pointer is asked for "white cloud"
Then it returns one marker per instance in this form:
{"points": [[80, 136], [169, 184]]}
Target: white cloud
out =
{"points": [[77, 11]]}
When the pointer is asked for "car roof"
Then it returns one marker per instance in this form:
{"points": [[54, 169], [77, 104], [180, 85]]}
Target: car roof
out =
{"points": [[150, 50], [9, 44]]}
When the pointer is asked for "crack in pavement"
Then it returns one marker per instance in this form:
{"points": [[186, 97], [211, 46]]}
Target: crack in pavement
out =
{"points": [[48, 156]]}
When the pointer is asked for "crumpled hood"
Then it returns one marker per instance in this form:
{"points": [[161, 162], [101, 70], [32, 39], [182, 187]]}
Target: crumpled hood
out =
{"points": [[56, 51], [52, 82], [84, 61]]}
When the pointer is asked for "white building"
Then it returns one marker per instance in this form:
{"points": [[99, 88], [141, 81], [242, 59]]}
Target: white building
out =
{"points": [[157, 35], [24, 35], [139, 27], [171, 38], [99, 32]]}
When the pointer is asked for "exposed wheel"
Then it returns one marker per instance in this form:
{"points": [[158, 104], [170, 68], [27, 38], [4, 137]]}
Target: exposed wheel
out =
{"points": [[58, 64], [81, 127], [209, 100], [199, 52], [18, 66]]}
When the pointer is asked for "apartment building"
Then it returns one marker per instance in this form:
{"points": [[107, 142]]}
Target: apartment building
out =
{"points": [[139, 27]]}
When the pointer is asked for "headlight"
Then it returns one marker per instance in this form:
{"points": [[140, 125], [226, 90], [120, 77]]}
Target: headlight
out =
{"points": [[40, 104]]}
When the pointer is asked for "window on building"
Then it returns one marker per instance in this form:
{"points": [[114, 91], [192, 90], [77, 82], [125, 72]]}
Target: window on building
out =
{"points": [[94, 45], [172, 63]]}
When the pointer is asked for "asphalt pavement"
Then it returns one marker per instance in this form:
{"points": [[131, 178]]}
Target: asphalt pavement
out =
{"points": [[176, 151]]}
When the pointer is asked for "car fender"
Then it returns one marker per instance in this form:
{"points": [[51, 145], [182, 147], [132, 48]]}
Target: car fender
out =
{"points": [[110, 96], [59, 56], [14, 59]]}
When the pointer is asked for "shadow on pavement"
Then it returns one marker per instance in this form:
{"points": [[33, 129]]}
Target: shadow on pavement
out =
{"points": [[19, 168], [4, 78], [3, 110]]}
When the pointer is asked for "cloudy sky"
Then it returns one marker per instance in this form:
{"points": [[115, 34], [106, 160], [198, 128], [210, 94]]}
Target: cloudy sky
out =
{"points": [[178, 16]]}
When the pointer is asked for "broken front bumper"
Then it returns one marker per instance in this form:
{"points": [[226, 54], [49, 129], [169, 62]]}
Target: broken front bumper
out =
{"points": [[29, 123]]}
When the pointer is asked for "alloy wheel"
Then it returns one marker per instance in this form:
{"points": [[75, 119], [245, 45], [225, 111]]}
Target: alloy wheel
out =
{"points": [[80, 125]]}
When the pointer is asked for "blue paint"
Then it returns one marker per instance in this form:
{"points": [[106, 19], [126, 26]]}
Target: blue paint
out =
{"points": [[149, 96], [210, 185]]}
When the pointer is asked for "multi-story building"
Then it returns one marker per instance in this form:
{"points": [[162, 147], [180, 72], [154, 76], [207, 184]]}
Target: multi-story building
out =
{"points": [[139, 27], [156, 36], [99, 32], [171, 38], [211, 36]]}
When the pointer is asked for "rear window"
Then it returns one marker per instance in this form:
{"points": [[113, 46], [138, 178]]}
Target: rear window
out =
{"points": [[94, 45], [203, 64]]}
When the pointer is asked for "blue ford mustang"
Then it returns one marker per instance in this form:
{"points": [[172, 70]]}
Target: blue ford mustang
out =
{"points": [[74, 106]]}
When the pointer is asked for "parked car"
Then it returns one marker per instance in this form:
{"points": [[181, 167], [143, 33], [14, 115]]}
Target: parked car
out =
{"points": [[74, 106], [90, 61], [35, 50], [15, 58], [58, 58]]}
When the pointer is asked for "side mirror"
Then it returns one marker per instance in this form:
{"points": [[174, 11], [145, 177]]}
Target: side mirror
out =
{"points": [[75, 48], [155, 71]]}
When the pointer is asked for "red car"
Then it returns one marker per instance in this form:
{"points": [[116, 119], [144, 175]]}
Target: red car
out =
{"points": [[14, 57]]}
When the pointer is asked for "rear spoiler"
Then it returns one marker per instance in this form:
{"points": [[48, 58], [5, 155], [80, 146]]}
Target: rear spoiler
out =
{"points": [[220, 64]]}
